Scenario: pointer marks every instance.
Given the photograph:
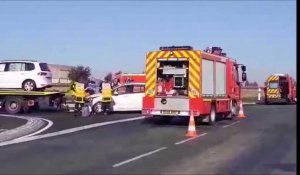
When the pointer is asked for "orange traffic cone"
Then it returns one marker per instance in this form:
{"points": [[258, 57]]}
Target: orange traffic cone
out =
{"points": [[192, 128], [241, 111]]}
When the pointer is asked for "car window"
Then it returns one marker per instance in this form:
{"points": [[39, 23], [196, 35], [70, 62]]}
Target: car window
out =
{"points": [[29, 66], [2, 67], [129, 89], [138, 89], [44, 67], [12, 67], [121, 90]]}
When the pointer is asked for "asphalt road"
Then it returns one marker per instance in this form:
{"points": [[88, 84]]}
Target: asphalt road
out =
{"points": [[263, 143], [7, 123]]}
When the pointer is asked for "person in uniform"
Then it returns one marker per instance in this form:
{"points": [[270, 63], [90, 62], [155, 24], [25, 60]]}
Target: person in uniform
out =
{"points": [[106, 91]]}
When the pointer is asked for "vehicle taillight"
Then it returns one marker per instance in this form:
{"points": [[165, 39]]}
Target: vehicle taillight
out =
{"points": [[42, 73]]}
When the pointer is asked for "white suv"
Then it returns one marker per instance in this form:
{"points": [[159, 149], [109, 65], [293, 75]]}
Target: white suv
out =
{"points": [[28, 75]]}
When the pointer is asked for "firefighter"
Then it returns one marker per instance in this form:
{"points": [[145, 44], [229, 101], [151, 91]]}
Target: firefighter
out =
{"points": [[106, 91]]}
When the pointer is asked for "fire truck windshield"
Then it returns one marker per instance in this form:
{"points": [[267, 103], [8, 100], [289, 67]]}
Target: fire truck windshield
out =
{"points": [[273, 85], [172, 78]]}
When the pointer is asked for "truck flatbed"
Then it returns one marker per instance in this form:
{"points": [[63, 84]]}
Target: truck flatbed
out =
{"points": [[27, 93], [15, 101]]}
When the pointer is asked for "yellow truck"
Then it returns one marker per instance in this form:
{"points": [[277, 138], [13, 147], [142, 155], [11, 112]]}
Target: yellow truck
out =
{"points": [[15, 101]]}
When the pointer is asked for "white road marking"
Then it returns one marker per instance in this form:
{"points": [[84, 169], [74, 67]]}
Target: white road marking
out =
{"points": [[138, 157], [249, 103], [67, 131], [50, 123], [186, 140], [231, 124]]}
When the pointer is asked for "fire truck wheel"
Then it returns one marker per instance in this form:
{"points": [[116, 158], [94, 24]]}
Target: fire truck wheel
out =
{"points": [[13, 105], [266, 102], [288, 101], [212, 115], [233, 110], [97, 108]]}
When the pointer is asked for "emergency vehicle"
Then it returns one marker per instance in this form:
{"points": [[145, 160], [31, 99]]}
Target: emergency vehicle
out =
{"points": [[123, 78], [280, 88], [181, 81]]}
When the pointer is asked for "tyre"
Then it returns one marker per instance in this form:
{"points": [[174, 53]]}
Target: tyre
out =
{"points": [[29, 85], [97, 108], [233, 110], [288, 101], [13, 105], [267, 102], [212, 115]]}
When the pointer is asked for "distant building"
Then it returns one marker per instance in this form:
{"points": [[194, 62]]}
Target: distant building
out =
{"points": [[60, 73]]}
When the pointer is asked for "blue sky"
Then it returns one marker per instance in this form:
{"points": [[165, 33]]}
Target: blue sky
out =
{"points": [[111, 36]]}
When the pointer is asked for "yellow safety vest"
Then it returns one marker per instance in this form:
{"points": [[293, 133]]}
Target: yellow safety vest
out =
{"points": [[77, 91], [106, 92]]}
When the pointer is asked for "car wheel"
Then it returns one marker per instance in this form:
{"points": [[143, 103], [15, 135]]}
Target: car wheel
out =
{"points": [[13, 105], [29, 85], [97, 108]]}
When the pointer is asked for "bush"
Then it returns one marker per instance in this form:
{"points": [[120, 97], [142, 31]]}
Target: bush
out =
{"points": [[79, 74]]}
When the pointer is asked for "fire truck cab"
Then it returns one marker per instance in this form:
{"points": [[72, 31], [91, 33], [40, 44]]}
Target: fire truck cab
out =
{"points": [[181, 81]]}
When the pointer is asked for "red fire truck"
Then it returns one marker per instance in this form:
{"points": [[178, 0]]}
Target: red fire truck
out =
{"points": [[123, 78], [280, 88], [181, 81]]}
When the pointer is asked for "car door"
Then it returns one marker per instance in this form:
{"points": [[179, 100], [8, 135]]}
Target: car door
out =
{"points": [[122, 100], [118, 98], [17, 71], [2, 76], [137, 97]]}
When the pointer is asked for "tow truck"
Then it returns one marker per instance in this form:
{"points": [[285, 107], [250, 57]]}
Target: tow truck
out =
{"points": [[16, 101]]}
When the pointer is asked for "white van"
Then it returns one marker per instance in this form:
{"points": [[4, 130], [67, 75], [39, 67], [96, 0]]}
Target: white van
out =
{"points": [[25, 74]]}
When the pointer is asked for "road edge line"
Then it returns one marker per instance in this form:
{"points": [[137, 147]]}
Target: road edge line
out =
{"points": [[186, 140], [50, 123], [234, 123], [67, 131], [138, 157]]}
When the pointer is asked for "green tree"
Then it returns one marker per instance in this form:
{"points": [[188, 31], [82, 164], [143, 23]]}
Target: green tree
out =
{"points": [[79, 74], [109, 76], [255, 84], [247, 83]]}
